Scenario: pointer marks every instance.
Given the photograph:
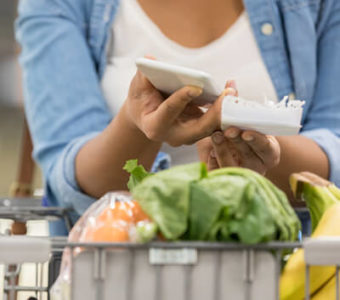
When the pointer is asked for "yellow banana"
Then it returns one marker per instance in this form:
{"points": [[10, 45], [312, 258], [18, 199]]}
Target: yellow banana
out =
{"points": [[327, 292], [318, 193], [292, 281]]}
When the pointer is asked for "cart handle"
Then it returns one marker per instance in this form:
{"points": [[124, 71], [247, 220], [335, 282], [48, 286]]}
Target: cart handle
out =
{"points": [[21, 249], [322, 250]]}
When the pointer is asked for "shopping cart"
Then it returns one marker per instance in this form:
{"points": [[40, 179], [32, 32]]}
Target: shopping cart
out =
{"points": [[181, 270], [24, 210], [28, 209]]}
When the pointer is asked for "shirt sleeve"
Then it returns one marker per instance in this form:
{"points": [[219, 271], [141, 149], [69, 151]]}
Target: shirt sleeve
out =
{"points": [[64, 104], [63, 100], [329, 143], [323, 119], [66, 188]]}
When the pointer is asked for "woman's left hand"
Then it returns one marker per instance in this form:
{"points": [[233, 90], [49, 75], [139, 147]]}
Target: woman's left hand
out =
{"points": [[235, 147]]}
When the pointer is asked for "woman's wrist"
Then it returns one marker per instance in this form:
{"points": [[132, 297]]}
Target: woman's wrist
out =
{"points": [[125, 117], [120, 141], [126, 122]]}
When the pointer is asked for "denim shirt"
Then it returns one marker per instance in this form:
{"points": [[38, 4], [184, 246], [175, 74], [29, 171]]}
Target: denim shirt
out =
{"points": [[64, 56]]}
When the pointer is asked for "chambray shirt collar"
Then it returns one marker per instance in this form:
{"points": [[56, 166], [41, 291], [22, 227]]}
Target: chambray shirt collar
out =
{"points": [[261, 12], [100, 22], [264, 13]]}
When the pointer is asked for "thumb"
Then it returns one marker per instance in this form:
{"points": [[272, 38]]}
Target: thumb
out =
{"points": [[173, 106]]}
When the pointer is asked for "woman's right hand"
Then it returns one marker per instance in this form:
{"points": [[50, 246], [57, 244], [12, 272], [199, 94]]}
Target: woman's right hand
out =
{"points": [[175, 120]]}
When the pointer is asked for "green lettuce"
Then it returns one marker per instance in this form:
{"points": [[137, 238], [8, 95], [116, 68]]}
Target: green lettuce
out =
{"points": [[233, 211], [165, 197], [137, 173], [229, 204]]}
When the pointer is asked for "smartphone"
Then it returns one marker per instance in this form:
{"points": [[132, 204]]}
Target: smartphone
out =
{"points": [[168, 78]]}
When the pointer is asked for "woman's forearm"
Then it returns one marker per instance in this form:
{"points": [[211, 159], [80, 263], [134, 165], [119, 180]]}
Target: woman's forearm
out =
{"points": [[99, 163], [298, 153]]}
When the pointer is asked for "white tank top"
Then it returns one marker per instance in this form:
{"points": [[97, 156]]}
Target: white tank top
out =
{"points": [[234, 55]]}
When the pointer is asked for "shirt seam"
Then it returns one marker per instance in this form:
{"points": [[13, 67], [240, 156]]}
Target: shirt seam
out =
{"points": [[289, 7]]}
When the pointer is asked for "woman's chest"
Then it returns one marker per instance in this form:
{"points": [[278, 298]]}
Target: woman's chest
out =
{"points": [[192, 23]]}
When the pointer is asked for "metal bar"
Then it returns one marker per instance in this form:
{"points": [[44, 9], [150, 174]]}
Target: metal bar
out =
{"points": [[17, 288], [36, 277], [12, 294], [249, 265], [187, 282], [158, 282], [71, 292], [337, 297], [307, 283], [102, 264], [11, 274], [97, 267], [96, 264], [23, 210], [67, 220], [177, 245], [130, 275], [278, 255], [217, 276], [248, 272], [41, 278]]}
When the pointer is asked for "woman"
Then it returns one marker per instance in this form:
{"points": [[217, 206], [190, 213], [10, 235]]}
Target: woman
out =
{"points": [[78, 60]]}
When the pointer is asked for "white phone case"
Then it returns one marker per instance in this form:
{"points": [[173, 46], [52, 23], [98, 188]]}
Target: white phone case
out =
{"points": [[169, 78]]}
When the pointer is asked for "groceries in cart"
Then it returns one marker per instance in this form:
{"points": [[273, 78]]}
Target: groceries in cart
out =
{"points": [[229, 204], [118, 219], [323, 201], [188, 203], [185, 203]]}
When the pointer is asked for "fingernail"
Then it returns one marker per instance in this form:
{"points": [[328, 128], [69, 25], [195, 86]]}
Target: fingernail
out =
{"points": [[194, 92], [149, 56], [232, 133], [218, 138], [229, 91], [248, 137], [231, 84]]}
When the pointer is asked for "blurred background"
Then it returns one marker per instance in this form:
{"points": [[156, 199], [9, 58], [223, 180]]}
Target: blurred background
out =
{"points": [[11, 100], [11, 132]]}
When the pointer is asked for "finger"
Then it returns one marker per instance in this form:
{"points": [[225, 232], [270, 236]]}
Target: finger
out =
{"points": [[172, 107], [150, 56], [204, 148], [211, 120], [141, 89], [248, 158], [141, 82], [223, 154], [265, 146], [231, 84], [206, 124], [212, 161]]}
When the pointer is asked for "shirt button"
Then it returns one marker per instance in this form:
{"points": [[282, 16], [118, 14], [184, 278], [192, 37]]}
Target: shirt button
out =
{"points": [[267, 29], [292, 96]]}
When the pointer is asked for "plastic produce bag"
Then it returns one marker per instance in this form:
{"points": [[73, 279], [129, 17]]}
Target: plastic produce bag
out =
{"points": [[116, 217]]}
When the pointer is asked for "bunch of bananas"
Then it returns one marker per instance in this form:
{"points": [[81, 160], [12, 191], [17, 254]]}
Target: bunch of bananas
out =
{"points": [[323, 201]]}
